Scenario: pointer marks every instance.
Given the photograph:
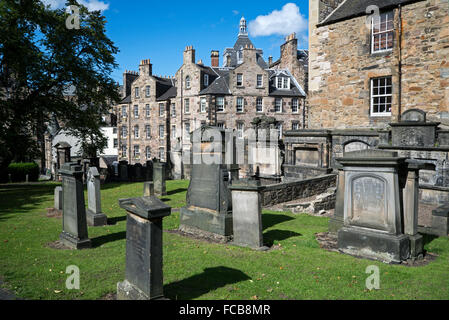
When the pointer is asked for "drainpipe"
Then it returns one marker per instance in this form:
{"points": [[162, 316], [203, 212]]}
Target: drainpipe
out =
{"points": [[400, 65], [182, 123]]}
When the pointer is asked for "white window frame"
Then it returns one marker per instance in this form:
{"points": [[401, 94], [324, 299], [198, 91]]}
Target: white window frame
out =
{"points": [[147, 91], [239, 83], [295, 105], [161, 109], [124, 132], [203, 105], [162, 154], [148, 152], [136, 132], [276, 105], [259, 81], [136, 154], [387, 32], [147, 110], [148, 131], [279, 129], [240, 130], [259, 99], [187, 106], [173, 110], [136, 111], [242, 105], [124, 150], [220, 105], [373, 96], [188, 82], [206, 80], [124, 112], [161, 131], [137, 92]]}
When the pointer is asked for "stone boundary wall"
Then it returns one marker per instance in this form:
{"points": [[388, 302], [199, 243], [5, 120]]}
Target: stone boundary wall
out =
{"points": [[295, 190]]}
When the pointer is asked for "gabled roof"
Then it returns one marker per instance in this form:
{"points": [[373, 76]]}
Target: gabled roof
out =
{"points": [[220, 86], [353, 8], [126, 100], [295, 88]]}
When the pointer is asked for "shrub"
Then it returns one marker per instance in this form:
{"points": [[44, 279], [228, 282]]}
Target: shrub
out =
{"points": [[19, 171]]}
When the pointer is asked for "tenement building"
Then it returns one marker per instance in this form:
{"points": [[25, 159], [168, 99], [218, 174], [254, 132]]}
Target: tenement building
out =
{"points": [[378, 79], [157, 114]]}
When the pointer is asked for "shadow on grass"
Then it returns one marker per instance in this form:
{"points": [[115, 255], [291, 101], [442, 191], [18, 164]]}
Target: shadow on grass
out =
{"points": [[278, 235], [269, 220], [176, 191], [200, 284], [115, 220], [99, 241]]}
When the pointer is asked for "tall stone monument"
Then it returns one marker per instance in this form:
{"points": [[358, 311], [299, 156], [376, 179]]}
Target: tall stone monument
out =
{"points": [[95, 217], [208, 212], [373, 210], [74, 222], [159, 176], [143, 275]]}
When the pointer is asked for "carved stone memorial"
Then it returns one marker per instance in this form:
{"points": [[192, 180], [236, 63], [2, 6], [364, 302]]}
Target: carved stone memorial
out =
{"points": [[159, 177], [143, 273]]}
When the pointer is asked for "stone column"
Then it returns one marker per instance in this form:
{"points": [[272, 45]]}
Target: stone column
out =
{"points": [[159, 179], [143, 274], [95, 217], [247, 214], [148, 189], [74, 222]]}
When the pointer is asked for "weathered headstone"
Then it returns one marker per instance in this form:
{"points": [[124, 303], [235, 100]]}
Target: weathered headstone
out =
{"points": [[148, 189], [95, 217], [159, 179], [373, 216], [440, 220], [143, 273], [74, 222], [58, 198], [123, 171], [247, 214]]}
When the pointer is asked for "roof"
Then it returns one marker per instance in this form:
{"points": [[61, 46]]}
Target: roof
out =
{"points": [[169, 94], [295, 88], [220, 85], [109, 160], [351, 8], [126, 100]]}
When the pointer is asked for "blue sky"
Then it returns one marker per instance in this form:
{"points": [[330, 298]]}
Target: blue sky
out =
{"points": [[160, 30]]}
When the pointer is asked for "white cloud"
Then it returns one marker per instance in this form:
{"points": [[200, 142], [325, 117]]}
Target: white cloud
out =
{"points": [[283, 22], [235, 12], [91, 5]]}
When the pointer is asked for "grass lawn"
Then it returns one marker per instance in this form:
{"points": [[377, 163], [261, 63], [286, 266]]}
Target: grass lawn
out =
{"points": [[296, 269]]}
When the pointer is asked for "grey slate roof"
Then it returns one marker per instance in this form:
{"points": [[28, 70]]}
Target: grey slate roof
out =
{"points": [[220, 86], [355, 8], [126, 100], [169, 94]]}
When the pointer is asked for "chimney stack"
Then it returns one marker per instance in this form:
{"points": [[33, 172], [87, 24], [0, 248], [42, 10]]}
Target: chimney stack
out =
{"points": [[146, 68], [189, 55], [215, 59], [270, 61]]}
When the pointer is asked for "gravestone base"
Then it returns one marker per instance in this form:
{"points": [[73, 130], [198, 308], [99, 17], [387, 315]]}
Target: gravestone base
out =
{"points": [[335, 224], [96, 219], [206, 223], [383, 247], [74, 243], [416, 246], [127, 291]]}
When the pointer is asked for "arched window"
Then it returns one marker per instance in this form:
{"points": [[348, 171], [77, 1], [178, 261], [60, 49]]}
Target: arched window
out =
{"points": [[188, 82]]}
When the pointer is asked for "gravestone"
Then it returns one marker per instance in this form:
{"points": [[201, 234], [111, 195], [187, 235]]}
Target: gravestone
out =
{"points": [[123, 171], [74, 234], [159, 179], [143, 272], [58, 198], [208, 212], [247, 214], [373, 212], [95, 217], [149, 171], [148, 189]]}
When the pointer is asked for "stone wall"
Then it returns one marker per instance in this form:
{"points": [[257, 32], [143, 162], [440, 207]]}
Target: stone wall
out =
{"points": [[289, 191]]}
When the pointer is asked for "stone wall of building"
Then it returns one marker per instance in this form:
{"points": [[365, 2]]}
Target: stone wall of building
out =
{"points": [[342, 66]]}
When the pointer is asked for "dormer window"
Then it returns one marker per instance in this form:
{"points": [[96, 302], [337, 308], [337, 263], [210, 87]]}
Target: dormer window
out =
{"points": [[206, 80], [188, 82], [382, 32]]}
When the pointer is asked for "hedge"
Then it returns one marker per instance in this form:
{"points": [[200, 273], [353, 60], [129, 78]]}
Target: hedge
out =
{"points": [[18, 171]]}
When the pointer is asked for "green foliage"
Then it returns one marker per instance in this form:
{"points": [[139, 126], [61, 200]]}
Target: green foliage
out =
{"points": [[18, 171]]}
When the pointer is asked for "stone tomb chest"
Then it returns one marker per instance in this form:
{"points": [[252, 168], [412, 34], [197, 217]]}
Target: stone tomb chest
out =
{"points": [[373, 216]]}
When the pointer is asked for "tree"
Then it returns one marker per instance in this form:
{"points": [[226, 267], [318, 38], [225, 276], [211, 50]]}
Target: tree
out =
{"points": [[40, 59]]}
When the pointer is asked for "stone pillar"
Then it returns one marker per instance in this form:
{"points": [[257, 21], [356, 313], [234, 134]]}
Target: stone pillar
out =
{"points": [[95, 217], [247, 214], [148, 189], [143, 274], [74, 222], [58, 198], [159, 179], [336, 222]]}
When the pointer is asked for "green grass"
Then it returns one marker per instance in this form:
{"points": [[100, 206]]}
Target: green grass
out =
{"points": [[296, 269]]}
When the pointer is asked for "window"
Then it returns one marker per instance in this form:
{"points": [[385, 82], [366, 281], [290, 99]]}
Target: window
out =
{"points": [[240, 129], [188, 82], [187, 106], [259, 80], [124, 149], [206, 80], [147, 110], [239, 104], [147, 91], [173, 132], [240, 56], [278, 105], [295, 108], [136, 151], [161, 131], [114, 131], [162, 154], [282, 83], [295, 125], [382, 32], [124, 132], [173, 110], [148, 131], [148, 153], [221, 125], [203, 105], [381, 96], [136, 132], [239, 79], [286, 82], [259, 104], [115, 143], [161, 109], [137, 92], [136, 111], [220, 104], [124, 113]]}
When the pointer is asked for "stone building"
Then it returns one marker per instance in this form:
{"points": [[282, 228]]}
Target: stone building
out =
{"points": [[157, 114]]}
